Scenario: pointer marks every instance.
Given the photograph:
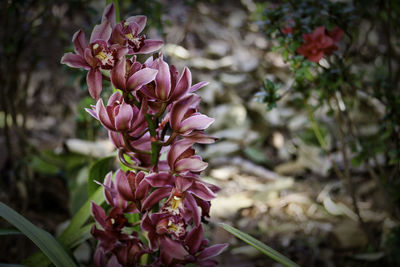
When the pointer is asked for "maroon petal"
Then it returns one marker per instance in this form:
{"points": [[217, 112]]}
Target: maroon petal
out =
{"points": [[173, 248], [92, 61], [194, 239], [155, 197], [117, 139], [74, 61], [101, 32], [183, 85], [140, 78], [98, 214], [183, 183], [150, 46], [202, 191], [109, 14], [79, 41], [118, 75], [124, 117], [123, 186], [196, 122], [197, 86], [212, 251], [163, 80], [192, 164], [160, 179], [93, 80], [192, 207], [139, 20]]}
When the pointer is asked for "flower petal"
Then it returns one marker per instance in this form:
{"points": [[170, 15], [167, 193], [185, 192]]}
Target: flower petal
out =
{"points": [[197, 86], [212, 251], [98, 213], [155, 197], [202, 191], [101, 32], [150, 46], [109, 14], [179, 109], [194, 239], [195, 122], [192, 164], [176, 150], [93, 80], [118, 75], [192, 208], [163, 79], [79, 41], [124, 117], [139, 20], [123, 186], [160, 179], [183, 85], [140, 78], [173, 248], [103, 115], [74, 61]]}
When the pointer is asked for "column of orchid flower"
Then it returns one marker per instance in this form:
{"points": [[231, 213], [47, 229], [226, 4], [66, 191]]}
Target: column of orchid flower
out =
{"points": [[154, 111]]}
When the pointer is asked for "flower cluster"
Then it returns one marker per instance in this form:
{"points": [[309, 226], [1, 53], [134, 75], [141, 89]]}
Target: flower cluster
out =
{"points": [[154, 112], [319, 43]]}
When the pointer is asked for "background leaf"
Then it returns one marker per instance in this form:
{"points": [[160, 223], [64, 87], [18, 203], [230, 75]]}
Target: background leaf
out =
{"points": [[275, 255], [46, 242]]}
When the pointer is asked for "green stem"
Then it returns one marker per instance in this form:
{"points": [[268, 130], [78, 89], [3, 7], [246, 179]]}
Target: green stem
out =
{"points": [[315, 128]]}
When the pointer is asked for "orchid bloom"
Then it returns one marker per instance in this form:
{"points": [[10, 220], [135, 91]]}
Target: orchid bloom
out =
{"points": [[127, 33], [153, 112]]}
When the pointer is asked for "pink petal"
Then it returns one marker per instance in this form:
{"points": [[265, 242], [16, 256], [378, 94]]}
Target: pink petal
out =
{"points": [[197, 86], [79, 41], [183, 84], [140, 78], [92, 61], [183, 183], [118, 75], [202, 191], [109, 14], [117, 139], [163, 80], [74, 61], [195, 122], [150, 46], [115, 98], [176, 150], [93, 80], [200, 137], [123, 186], [190, 164], [212, 251], [92, 112], [179, 109], [103, 115], [139, 20], [124, 117], [101, 32]]}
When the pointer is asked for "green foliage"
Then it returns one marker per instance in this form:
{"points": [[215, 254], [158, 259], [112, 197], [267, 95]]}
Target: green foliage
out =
{"points": [[46, 242], [273, 254], [97, 172]]}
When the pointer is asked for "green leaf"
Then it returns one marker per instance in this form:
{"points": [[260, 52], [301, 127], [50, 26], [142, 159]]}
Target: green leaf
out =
{"points": [[46, 242], [75, 233], [9, 231], [97, 171], [81, 217], [259, 245]]}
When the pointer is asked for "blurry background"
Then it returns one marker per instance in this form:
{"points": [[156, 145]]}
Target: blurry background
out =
{"points": [[277, 185]]}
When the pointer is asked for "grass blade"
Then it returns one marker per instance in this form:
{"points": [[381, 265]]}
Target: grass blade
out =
{"points": [[46, 242], [275, 255]]}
